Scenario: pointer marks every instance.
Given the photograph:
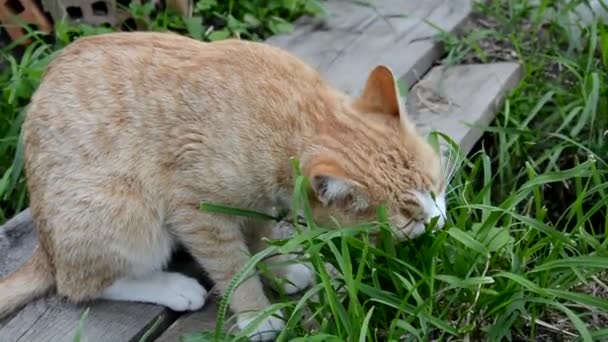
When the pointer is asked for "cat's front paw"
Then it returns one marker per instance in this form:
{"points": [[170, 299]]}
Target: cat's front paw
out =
{"points": [[298, 277], [266, 330], [182, 293]]}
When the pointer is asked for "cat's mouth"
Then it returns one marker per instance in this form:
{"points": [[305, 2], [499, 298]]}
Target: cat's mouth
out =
{"points": [[418, 227]]}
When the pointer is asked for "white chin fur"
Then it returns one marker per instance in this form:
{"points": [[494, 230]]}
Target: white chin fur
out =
{"points": [[433, 208], [417, 230], [411, 232]]}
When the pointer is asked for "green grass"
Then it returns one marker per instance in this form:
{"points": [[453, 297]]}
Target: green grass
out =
{"points": [[524, 253]]}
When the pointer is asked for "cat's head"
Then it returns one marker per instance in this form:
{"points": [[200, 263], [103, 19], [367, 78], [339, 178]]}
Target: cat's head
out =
{"points": [[372, 155]]}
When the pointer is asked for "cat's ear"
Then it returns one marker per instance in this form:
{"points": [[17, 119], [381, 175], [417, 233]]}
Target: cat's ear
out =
{"points": [[333, 187], [380, 94]]}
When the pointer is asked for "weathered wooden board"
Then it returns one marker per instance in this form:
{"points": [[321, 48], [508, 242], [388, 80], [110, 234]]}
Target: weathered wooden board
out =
{"points": [[460, 100], [474, 91], [51, 319], [193, 323], [17, 242], [356, 37]]}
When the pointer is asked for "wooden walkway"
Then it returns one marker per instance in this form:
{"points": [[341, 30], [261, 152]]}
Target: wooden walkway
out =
{"points": [[457, 101]]}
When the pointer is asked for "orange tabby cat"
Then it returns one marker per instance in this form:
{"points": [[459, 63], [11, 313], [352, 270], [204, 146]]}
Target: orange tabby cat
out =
{"points": [[129, 132]]}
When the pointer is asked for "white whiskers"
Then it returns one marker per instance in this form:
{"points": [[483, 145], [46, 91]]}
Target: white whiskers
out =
{"points": [[451, 160]]}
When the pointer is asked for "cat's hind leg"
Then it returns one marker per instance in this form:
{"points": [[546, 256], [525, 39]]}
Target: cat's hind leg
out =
{"points": [[106, 239]]}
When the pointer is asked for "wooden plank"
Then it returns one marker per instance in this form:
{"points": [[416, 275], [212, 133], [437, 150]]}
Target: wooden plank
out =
{"points": [[475, 92], [17, 242], [354, 38], [195, 322], [453, 99], [52, 319]]}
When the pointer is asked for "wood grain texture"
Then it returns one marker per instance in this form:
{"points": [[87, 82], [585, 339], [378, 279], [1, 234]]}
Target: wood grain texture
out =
{"points": [[52, 319], [192, 323], [354, 38], [461, 100], [17, 242]]}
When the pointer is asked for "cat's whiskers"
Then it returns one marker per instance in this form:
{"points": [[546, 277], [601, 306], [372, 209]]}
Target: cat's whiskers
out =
{"points": [[445, 161], [452, 189], [450, 162]]}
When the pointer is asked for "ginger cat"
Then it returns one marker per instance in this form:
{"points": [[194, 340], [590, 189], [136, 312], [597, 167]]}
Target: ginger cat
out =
{"points": [[129, 132]]}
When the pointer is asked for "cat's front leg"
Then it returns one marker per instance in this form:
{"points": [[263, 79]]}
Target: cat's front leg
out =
{"points": [[295, 275], [218, 244]]}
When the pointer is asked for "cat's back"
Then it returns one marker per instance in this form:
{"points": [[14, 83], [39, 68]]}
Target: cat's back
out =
{"points": [[123, 55], [161, 73], [135, 98]]}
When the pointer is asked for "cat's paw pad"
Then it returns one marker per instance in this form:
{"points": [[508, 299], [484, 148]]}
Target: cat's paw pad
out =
{"points": [[266, 330], [183, 293], [297, 278]]}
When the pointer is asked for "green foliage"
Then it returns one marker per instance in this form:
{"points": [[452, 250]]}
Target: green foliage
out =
{"points": [[252, 19], [559, 114], [18, 82]]}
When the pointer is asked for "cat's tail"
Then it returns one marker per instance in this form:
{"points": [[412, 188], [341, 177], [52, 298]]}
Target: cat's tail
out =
{"points": [[33, 279]]}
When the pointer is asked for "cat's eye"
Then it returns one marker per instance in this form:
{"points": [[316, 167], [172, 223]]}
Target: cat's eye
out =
{"points": [[410, 222], [419, 220], [414, 211]]}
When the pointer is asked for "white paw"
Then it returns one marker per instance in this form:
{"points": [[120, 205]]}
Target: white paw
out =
{"points": [[298, 277], [182, 293], [267, 329]]}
